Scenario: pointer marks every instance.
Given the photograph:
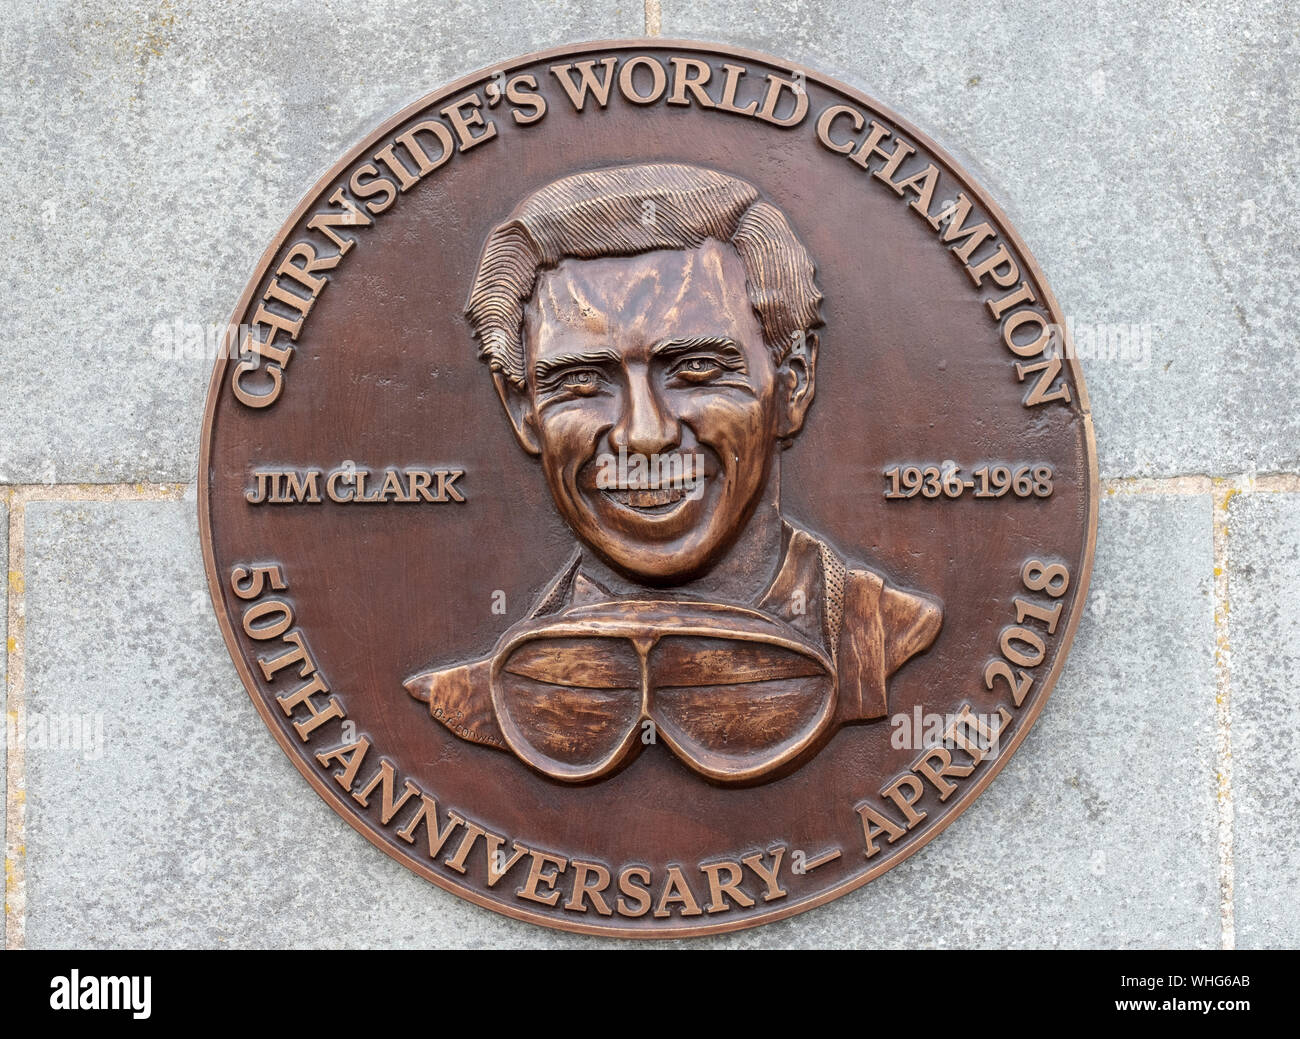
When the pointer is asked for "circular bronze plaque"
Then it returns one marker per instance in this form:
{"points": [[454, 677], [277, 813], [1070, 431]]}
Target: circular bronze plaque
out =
{"points": [[648, 489]]}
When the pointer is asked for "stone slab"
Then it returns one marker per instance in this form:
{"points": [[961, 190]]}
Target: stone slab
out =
{"points": [[1264, 648], [188, 827], [172, 140], [1147, 156]]}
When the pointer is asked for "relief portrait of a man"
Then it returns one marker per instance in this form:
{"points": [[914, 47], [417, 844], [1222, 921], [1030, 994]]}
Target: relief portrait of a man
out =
{"points": [[652, 333]]}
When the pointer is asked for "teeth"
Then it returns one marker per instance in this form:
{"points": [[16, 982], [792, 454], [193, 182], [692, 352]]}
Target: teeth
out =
{"points": [[649, 497]]}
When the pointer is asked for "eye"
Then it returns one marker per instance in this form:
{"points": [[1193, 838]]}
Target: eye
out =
{"points": [[697, 369], [582, 381]]}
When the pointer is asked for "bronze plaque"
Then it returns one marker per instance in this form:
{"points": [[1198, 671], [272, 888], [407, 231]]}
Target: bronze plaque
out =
{"points": [[648, 490]]}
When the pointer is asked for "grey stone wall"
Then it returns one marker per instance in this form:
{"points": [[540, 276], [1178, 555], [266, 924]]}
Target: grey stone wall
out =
{"points": [[1148, 156]]}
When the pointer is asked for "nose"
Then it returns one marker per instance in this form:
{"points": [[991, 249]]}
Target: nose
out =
{"points": [[644, 427]]}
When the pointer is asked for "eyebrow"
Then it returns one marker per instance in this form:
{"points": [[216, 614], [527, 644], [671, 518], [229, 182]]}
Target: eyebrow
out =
{"points": [[548, 365], [677, 346]]}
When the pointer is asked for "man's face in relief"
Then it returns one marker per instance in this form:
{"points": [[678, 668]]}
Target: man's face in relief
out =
{"points": [[654, 404]]}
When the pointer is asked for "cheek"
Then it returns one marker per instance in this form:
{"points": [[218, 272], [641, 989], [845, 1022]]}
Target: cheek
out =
{"points": [[569, 434], [731, 425]]}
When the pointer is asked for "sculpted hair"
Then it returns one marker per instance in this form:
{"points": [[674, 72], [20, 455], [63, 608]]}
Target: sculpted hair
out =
{"points": [[627, 210]]}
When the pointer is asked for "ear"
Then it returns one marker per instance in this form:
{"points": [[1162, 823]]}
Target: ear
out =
{"points": [[797, 377], [519, 409]]}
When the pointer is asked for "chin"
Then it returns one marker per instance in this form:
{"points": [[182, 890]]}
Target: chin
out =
{"points": [[657, 563]]}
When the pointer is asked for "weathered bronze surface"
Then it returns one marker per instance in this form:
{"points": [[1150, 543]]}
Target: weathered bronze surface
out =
{"points": [[648, 491]]}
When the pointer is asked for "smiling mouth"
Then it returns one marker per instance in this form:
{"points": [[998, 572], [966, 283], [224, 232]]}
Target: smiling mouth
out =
{"points": [[650, 501]]}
